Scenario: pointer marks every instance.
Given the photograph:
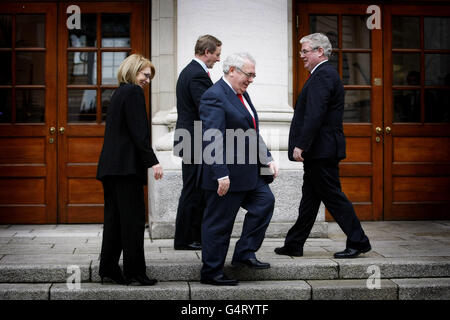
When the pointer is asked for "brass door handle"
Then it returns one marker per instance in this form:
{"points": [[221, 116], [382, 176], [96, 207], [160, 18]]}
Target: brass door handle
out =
{"points": [[52, 130], [388, 130], [62, 130], [378, 130]]}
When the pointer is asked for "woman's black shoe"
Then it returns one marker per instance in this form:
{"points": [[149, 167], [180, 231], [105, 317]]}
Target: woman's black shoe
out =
{"points": [[142, 279], [117, 278]]}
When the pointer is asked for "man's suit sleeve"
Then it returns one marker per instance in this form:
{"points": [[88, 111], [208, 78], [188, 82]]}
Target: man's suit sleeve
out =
{"points": [[198, 85], [317, 100], [136, 119], [213, 119]]}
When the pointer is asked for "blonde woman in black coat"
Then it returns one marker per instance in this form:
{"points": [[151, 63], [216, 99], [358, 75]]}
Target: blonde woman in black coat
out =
{"points": [[122, 169]]}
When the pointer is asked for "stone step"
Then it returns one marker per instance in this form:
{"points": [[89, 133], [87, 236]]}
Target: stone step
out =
{"points": [[281, 269], [351, 289]]}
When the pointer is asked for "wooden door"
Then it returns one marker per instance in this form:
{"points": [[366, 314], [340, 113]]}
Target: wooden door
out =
{"points": [[88, 63], [28, 113], [357, 55], [417, 112]]}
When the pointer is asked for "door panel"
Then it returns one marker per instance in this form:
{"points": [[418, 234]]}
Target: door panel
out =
{"points": [[28, 111], [417, 112], [88, 62], [357, 55]]}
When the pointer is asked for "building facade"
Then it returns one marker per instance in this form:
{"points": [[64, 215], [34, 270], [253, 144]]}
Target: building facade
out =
{"points": [[59, 60]]}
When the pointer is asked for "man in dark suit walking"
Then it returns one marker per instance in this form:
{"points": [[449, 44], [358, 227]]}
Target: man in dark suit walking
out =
{"points": [[231, 173], [316, 138], [193, 81]]}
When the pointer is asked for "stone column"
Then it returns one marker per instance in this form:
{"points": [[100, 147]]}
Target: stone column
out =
{"points": [[262, 28]]}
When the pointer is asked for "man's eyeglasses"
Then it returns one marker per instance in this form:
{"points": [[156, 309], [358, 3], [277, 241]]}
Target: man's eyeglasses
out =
{"points": [[304, 52], [147, 75], [248, 75]]}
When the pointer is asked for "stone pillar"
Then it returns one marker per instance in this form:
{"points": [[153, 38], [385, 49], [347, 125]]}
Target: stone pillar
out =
{"points": [[262, 28]]}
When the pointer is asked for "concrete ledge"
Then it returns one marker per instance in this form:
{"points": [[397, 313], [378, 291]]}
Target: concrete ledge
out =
{"points": [[352, 290], [96, 291], [19, 291], [423, 289], [264, 290], [39, 273], [395, 268]]}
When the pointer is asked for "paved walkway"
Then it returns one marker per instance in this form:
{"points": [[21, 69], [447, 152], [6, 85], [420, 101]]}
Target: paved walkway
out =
{"points": [[390, 239]]}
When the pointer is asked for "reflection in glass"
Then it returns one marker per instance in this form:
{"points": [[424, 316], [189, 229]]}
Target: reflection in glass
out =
{"points": [[87, 35], [436, 32], [82, 68], [355, 33], [5, 67], [30, 30], [328, 25], [405, 65], [106, 98], [30, 106], [5, 31], [110, 64], [5, 105], [115, 30], [437, 105], [30, 68], [357, 106], [406, 105], [82, 105], [356, 68], [405, 32], [437, 69]]}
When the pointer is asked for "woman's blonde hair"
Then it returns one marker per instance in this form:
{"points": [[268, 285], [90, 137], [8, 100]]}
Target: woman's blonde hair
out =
{"points": [[130, 67]]}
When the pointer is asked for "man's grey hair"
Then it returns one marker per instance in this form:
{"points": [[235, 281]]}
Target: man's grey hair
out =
{"points": [[236, 60], [319, 40]]}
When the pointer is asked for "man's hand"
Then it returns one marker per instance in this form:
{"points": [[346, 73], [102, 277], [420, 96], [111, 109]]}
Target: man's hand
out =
{"points": [[274, 169], [157, 171], [224, 185], [297, 154]]}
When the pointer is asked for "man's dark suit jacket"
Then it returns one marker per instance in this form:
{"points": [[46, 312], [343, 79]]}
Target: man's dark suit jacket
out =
{"points": [[316, 126], [126, 148], [192, 83], [221, 109]]}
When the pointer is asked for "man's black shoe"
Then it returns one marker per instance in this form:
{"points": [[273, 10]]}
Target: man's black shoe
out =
{"points": [[193, 246], [252, 263], [221, 280], [350, 253], [288, 252]]}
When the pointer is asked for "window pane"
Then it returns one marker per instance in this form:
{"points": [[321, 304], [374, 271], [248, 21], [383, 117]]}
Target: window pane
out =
{"points": [[356, 68], [30, 30], [437, 69], [82, 105], [405, 32], [110, 64], [437, 105], [87, 35], [327, 25], [115, 30], [106, 98], [30, 106], [5, 31], [5, 105], [436, 32], [406, 67], [30, 68], [357, 106], [406, 105], [82, 68], [355, 33], [5, 66]]}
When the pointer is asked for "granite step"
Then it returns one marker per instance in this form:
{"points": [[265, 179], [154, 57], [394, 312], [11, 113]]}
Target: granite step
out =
{"points": [[44, 271], [338, 289]]}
